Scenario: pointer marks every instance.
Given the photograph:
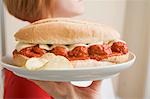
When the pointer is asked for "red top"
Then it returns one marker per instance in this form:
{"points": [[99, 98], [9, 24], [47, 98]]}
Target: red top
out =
{"points": [[16, 87]]}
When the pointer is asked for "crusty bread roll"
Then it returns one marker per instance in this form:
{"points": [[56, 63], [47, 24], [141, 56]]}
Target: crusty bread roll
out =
{"points": [[65, 31], [118, 59], [20, 61]]}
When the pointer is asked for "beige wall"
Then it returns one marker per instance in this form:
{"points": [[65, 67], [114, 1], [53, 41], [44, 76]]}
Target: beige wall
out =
{"points": [[0, 23], [109, 12], [0, 66], [1, 85], [147, 90], [132, 81]]}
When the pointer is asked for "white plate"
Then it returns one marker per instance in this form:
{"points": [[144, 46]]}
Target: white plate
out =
{"points": [[77, 74]]}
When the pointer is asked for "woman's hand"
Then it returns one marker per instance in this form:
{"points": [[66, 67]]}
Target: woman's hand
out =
{"points": [[65, 90]]}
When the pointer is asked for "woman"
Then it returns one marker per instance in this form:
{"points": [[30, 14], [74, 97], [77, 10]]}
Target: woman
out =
{"points": [[17, 87]]}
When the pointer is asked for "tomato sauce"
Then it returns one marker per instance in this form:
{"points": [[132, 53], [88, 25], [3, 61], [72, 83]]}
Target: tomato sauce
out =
{"points": [[97, 51]]}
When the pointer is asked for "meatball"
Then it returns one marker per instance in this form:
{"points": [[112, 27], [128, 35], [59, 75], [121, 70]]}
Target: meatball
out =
{"points": [[59, 51], [29, 52], [99, 50], [119, 47], [38, 50], [79, 52]]}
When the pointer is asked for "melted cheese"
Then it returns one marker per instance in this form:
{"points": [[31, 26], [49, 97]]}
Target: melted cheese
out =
{"points": [[119, 41], [57, 62], [71, 47], [113, 41], [55, 45], [101, 43], [21, 46], [35, 63], [44, 46]]}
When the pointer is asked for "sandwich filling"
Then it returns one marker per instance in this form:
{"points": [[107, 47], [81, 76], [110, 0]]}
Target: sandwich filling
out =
{"points": [[98, 51]]}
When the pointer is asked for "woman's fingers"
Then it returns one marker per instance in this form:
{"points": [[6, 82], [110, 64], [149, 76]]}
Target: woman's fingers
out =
{"points": [[94, 85], [65, 90]]}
